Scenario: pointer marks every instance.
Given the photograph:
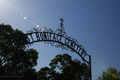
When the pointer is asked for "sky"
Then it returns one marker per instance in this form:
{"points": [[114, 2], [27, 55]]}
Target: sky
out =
{"points": [[94, 23]]}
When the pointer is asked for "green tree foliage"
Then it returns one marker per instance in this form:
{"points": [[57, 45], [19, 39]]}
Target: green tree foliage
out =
{"points": [[68, 69], [110, 74], [15, 57]]}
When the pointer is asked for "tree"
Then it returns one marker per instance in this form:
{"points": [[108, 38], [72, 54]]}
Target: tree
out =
{"points": [[110, 74], [15, 57], [68, 69]]}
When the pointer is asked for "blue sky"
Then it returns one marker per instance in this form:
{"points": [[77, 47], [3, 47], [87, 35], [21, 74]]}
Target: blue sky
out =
{"points": [[94, 23]]}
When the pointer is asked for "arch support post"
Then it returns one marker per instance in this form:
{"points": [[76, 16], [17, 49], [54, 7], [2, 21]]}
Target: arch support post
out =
{"points": [[90, 67]]}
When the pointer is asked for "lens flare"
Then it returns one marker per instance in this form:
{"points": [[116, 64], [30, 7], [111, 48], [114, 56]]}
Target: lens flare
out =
{"points": [[42, 29], [37, 25], [25, 18], [34, 23]]}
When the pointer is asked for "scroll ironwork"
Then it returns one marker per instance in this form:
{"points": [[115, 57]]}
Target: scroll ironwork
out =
{"points": [[58, 38]]}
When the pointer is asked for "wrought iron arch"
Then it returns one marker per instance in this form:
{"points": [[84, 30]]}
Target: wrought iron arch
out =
{"points": [[58, 39]]}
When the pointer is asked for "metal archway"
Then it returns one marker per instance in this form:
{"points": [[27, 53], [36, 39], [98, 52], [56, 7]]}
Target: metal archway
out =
{"points": [[59, 39]]}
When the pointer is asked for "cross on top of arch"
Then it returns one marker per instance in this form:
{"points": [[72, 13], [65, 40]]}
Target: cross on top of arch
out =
{"points": [[62, 22], [61, 19]]}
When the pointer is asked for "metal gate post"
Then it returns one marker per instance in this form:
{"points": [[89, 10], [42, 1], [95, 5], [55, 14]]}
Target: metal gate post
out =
{"points": [[90, 67]]}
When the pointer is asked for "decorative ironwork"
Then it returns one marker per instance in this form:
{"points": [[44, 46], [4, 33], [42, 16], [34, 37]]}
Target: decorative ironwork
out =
{"points": [[58, 38]]}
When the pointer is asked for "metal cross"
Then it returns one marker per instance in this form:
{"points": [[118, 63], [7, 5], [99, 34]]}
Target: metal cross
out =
{"points": [[61, 22]]}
